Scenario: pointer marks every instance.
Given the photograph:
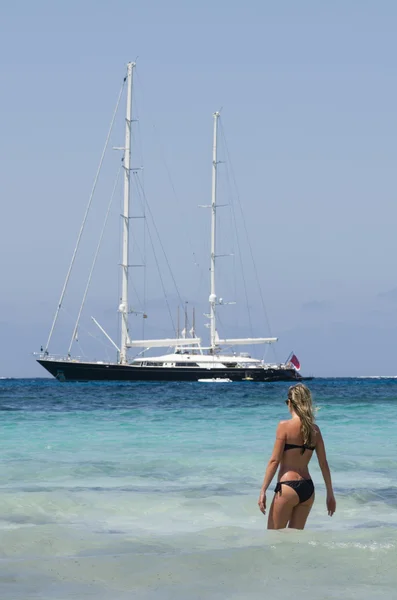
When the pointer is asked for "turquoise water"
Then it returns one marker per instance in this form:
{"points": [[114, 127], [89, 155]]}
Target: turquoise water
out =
{"points": [[149, 491]]}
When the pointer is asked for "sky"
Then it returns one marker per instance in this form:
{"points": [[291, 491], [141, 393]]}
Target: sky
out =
{"points": [[308, 92]]}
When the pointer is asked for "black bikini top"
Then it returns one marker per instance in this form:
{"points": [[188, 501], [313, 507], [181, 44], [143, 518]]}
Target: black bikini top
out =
{"points": [[303, 448]]}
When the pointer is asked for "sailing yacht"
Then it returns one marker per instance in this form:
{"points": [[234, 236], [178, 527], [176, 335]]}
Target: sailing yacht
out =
{"points": [[186, 358]]}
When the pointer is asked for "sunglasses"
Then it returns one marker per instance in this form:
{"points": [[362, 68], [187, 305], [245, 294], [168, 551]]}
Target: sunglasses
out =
{"points": [[287, 402]]}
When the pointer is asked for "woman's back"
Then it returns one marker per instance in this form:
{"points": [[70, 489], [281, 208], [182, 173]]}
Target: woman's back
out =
{"points": [[296, 455]]}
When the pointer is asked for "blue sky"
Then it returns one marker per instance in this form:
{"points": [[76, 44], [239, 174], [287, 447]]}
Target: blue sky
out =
{"points": [[309, 96]]}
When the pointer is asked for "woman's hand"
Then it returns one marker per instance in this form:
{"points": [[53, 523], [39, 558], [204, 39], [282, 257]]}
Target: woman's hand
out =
{"points": [[262, 502], [331, 504]]}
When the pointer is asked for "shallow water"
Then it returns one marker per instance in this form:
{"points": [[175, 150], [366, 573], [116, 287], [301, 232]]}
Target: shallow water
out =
{"points": [[150, 491]]}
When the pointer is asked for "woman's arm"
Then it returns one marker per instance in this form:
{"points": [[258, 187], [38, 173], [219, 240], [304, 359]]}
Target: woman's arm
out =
{"points": [[272, 465], [322, 461]]}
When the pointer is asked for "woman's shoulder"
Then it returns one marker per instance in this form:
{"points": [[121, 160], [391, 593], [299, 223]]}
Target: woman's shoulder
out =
{"points": [[285, 428], [317, 431], [281, 428], [284, 425]]}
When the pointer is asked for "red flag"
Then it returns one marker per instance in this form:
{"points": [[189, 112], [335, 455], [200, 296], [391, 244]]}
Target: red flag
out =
{"points": [[294, 360]]}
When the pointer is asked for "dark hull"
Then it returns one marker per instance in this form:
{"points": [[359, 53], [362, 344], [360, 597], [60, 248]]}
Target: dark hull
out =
{"points": [[80, 371]]}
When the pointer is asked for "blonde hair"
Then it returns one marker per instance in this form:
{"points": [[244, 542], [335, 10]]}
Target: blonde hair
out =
{"points": [[301, 401]]}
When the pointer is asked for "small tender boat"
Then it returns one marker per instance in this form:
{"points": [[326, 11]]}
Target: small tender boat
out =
{"points": [[216, 380]]}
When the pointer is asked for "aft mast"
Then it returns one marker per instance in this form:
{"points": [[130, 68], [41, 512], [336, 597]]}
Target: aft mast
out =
{"points": [[212, 298], [215, 341], [123, 307]]}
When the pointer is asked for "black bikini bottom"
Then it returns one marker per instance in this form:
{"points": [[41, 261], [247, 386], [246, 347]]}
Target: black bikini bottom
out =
{"points": [[303, 487]]}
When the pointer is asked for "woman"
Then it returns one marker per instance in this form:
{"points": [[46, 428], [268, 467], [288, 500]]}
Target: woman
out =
{"points": [[296, 440]]}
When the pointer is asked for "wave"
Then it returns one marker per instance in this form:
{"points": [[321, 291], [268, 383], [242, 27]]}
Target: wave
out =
{"points": [[386, 495]]}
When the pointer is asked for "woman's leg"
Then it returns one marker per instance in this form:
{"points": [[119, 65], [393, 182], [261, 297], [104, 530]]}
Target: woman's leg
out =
{"points": [[300, 513], [282, 508]]}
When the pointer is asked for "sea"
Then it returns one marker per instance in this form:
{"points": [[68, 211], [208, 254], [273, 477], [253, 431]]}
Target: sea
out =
{"points": [[116, 491]]}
